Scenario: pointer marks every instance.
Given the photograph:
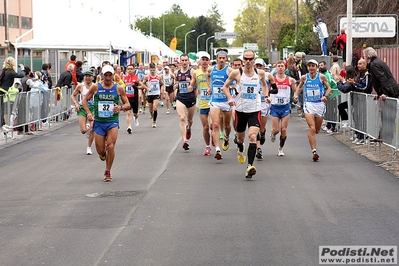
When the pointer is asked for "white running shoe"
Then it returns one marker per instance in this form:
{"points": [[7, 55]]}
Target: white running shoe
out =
{"points": [[136, 121], [88, 151], [280, 152]]}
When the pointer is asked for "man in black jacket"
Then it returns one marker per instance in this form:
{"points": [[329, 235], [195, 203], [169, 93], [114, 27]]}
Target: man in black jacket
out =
{"points": [[66, 77], [382, 79]]}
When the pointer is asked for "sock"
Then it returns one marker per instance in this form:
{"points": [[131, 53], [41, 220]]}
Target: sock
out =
{"points": [[251, 153], [240, 147], [217, 148], [282, 141], [154, 115]]}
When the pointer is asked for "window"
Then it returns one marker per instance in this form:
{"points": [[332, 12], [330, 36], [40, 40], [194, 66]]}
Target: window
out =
{"points": [[1, 19], [26, 23], [13, 21]]}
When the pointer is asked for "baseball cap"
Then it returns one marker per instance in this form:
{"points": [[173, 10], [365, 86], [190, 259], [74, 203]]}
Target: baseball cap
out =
{"points": [[203, 54], [89, 72], [107, 68], [312, 61], [319, 20], [259, 61]]}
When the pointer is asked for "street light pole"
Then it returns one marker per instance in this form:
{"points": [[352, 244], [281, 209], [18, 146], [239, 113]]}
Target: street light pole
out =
{"points": [[203, 34], [182, 25], [185, 40], [206, 42]]}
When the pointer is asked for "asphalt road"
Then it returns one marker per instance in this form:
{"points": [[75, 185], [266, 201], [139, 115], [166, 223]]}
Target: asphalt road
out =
{"points": [[167, 206]]}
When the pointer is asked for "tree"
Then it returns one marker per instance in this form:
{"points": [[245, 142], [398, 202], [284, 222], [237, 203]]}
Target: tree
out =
{"points": [[217, 23]]}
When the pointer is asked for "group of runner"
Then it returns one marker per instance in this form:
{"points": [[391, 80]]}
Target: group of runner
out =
{"points": [[245, 93]]}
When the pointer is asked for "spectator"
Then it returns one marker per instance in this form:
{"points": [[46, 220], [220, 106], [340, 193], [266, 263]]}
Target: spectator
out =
{"points": [[301, 69], [72, 61], [335, 69], [330, 127], [340, 41], [66, 77], [37, 99], [9, 69], [382, 79], [322, 32], [22, 118], [124, 57], [360, 83], [50, 80], [44, 72], [79, 71]]}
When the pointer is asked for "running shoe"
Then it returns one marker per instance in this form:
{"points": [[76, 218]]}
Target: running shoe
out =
{"points": [[262, 137], [250, 172], [218, 155], [221, 135], [154, 124], [186, 147], [235, 138], [280, 152], [160, 103], [143, 110], [140, 110], [88, 151], [151, 115], [136, 121], [129, 130], [225, 144], [315, 156], [259, 154], [188, 133], [207, 151], [240, 155], [272, 137], [107, 176], [167, 112], [103, 156]]}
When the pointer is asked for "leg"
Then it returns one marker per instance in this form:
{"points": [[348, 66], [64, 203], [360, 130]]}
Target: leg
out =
{"points": [[205, 129], [181, 112], [215, 114], [221, 125]]}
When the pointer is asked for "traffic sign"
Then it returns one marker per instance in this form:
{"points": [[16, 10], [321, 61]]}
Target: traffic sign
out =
{"points": [[225, 35], [251, 46]]}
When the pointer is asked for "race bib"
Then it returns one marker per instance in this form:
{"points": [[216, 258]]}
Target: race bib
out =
{"points": [[129, 91], [218, 93], [105, 109], [183, 87], [249, 92], [313, 94], [205, 96]]}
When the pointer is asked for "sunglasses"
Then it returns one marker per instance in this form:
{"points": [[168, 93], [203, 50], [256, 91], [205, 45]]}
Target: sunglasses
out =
{"points": [[248, 58]]}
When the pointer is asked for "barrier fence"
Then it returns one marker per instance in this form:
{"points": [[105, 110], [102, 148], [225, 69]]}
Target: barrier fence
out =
{"points": [[26, 111], [376, 119]]}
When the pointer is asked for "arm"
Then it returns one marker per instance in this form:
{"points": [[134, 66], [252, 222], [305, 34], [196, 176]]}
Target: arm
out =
{"points": [[327, 85], [299, 88], [226, 86], [125, 101], [265, 88], [274, 89], [191, 88], [93, 90], [77, 90], [293, 86]]}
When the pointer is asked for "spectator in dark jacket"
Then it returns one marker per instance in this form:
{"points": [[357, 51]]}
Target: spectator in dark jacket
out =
{"points": [[10, 73], [381, 77], [340, 41], [66, 77]]}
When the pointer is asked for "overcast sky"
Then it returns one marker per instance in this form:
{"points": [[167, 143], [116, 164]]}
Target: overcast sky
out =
{"points": [[119, 9]]}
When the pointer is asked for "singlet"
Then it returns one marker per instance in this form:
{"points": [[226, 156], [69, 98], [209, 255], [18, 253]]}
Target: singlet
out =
{"points": [[154, 84], [141, 74], [167, 79], [203, 97], [313, 89], [131, 85], [182, 91], [218, 77], [83, 94], [104, 101], [248, 98], [283, 96]]}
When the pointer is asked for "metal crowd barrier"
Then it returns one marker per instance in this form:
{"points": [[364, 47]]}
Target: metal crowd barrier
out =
{"points": [[27, 110]]}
